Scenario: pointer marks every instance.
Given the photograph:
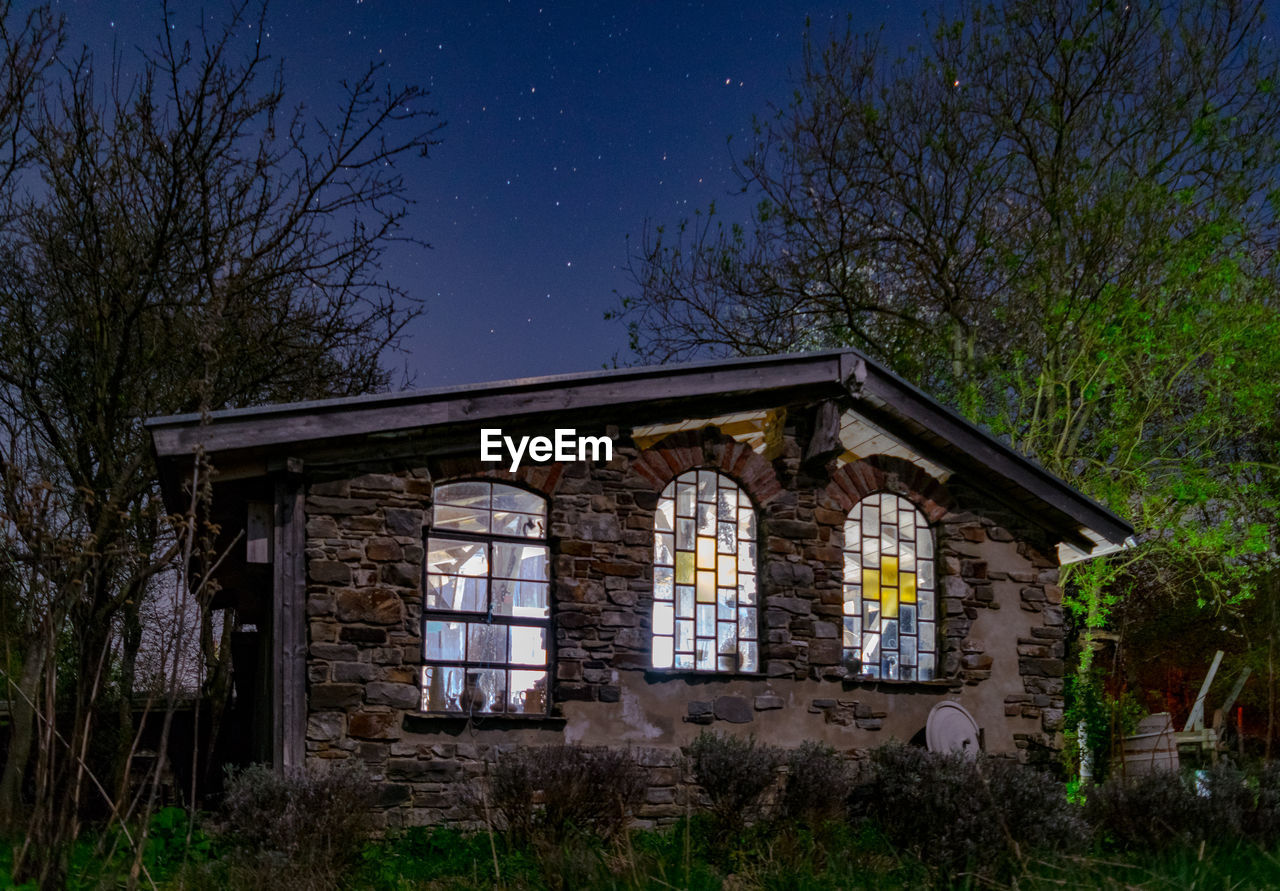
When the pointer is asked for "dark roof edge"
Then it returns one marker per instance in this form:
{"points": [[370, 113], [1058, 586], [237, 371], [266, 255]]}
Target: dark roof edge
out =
{"points": [[521, 384]]}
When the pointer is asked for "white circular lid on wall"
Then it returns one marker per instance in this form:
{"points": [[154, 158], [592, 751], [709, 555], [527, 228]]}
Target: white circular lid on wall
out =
{"points": [[951, 729]]}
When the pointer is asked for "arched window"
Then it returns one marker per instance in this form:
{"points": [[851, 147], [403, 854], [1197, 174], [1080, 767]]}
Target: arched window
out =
{"points": [[704, 576], [487, 606], [890, 602]]}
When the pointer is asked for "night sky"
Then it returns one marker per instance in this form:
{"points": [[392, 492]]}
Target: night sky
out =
{"points": [[567, 126]]}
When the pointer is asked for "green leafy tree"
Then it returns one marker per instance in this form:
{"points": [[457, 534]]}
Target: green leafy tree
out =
{"points": [[1059, 216]]}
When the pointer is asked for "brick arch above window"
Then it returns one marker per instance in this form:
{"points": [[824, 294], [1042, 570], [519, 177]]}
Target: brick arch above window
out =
{"points": [[708, 449], [852, 482]]}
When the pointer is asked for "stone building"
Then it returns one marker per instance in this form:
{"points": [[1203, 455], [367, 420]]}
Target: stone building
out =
{"points": [[798, 547]]}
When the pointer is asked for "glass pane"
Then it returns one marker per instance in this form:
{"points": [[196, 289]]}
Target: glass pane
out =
{"points": [[684, 660], [925, 574], [852, 600], [441, 688], [851, 633], [472, 494], [888, 539], [451, 592], [664, 549], [485, 691], [746, 523], [706, 587], [889, 603], [870, 517], [727, 506], [684, 635], [684, 534], [727, 570], [748, 656], [870, 648], [664, 581], [871, 584], [486, 643], [684, 601], [706, 519], [726, 538], [889, 635], [511, 498], [684, 567], [871, 615], [665, 519], [924, 604], [907, 647], [685, 493], [727, 637], [726, 601], [907, 618], [852, 566], [516, 561], [530, 600], [746, 588], [462, 519], [706, 616], [889, 666], [908, 586], [528, 645], [924, 545], [706, 552], [925, 670], [707, 486], [906, 556], [663, 651], [664, 618], [927, 644], [705, 654], [889, 570], [519, 525], [852, 535], [747, 624], [889, 510], [528, 693], [443, 640], [452, 557]]}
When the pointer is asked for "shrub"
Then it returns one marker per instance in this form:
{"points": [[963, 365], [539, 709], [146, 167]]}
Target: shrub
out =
{"points": [[735, 773], [554, 791], [817, 786], [1164, 809], [982, 814], [302, 829]]}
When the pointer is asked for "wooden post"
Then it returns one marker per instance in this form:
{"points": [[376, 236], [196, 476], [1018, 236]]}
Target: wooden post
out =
{"points": [[288, 626]]}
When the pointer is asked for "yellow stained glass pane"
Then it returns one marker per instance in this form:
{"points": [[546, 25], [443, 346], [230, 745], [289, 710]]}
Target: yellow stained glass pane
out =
{"points": [[727, 570], [889, 567], [889, 603], [908, 582], [706, 553], [871, 584], [684, 567], [706, 587]]}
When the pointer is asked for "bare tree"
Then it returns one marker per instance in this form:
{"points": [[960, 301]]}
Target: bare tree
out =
{"points": [[183, 241]]}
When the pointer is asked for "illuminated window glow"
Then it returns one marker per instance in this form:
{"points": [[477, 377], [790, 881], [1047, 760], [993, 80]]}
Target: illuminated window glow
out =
{"points": [[487, 606], [704, 576], [890, 600]]}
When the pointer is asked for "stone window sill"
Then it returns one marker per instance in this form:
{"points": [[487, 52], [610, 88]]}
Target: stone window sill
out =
{"points": [[431, 722], [657, 675], [937, 684]]}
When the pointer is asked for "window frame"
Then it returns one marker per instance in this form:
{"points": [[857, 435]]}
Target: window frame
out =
{"points": [[752, 522], [488, 616], [853, 625]]}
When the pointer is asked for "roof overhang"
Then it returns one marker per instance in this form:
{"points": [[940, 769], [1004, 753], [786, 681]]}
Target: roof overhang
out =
{"points": [[247, 442]]}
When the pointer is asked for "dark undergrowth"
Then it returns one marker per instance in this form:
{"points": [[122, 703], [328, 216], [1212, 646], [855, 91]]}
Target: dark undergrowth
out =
{"points": [[900, 819]]}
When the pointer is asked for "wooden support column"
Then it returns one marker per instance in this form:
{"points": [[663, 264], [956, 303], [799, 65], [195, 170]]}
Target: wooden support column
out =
{"points": [[288, 622]]}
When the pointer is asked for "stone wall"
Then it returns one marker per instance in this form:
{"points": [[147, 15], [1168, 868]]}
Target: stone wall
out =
{"points": [[1002, 640]]}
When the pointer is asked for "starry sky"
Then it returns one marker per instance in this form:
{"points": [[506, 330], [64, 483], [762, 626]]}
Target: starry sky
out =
{"points": [[568, 125]]}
